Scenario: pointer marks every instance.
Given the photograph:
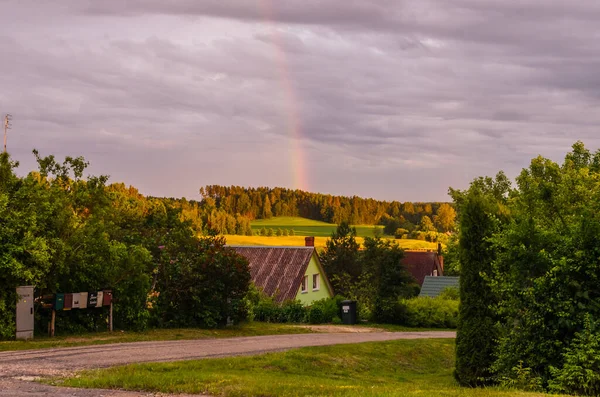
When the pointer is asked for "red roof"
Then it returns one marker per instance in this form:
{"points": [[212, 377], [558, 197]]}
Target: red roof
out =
{"points": [[421, 264], [278, 271]]}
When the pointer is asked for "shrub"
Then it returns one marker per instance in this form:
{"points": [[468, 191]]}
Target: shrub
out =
{"points": [[293, 312], [267, 310], [450, 293], [316, 315], [389, 311], [324, 310], [580, 373], [522, 378], [430, 312]]}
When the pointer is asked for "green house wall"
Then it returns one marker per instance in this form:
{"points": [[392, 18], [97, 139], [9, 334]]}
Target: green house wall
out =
{"points": [[310, 296]]}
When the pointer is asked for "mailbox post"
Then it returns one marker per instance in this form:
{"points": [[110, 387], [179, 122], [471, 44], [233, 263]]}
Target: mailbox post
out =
{"points": [[25, 312]]}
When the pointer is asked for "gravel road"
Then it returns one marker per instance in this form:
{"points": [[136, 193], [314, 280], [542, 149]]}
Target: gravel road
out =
{"points": [[17, 367]]}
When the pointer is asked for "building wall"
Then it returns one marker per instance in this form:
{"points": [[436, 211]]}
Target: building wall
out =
{"points": [[310, 296]]}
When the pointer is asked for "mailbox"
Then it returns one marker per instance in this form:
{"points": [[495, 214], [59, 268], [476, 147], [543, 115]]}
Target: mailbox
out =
{"points": [[59, 301], [76, 300], [107, 298], [92, 299], [83, 300], [99, 299], [68, 305]]}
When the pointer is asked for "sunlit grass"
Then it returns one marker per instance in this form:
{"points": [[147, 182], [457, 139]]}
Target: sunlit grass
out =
{"points": [[308, 227], [397, 368], [298, 241]]}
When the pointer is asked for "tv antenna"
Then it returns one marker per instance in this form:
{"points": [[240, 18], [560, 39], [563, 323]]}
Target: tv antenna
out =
{"points": [[7, 126]]}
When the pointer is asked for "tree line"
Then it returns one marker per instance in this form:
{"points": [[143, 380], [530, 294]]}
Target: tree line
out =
{"points": [[63, 233], [264, 203]]}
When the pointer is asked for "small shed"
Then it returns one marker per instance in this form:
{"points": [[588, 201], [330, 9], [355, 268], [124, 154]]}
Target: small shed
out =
{"points": [[433, 286]]}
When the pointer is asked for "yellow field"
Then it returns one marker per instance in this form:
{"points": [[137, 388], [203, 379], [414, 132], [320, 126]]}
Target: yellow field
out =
{"points": [[296, 241]]}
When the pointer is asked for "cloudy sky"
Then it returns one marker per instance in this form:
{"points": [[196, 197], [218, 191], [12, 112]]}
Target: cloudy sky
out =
{"points": [[389, 99]]}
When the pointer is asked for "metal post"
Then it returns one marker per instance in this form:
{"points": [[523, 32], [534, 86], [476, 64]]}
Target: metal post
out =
{"points": [[110, 318], [7, 126], [52, 323]]}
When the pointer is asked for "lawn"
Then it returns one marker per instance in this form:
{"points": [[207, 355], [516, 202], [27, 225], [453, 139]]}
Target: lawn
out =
{"points": [[98, 338], [397, 368], [307, 227]]}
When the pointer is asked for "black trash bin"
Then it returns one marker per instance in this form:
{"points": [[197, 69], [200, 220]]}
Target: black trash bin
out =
{"points": [[348, 312]]}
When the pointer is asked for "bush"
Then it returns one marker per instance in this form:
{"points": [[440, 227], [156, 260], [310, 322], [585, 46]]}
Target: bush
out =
{"points": [[389, 311], [316, 315], [450, 293], [430, 312], [267, 310], [580, 373], [264, 308], [292, 312], [324, 310]]}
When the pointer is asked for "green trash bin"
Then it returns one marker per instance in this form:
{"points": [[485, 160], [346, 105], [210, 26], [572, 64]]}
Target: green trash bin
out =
{"points": [[59, 301], [348, 312]]}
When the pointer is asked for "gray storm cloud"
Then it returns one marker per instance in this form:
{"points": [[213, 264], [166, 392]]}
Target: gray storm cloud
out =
{"points": [[393, 99]]}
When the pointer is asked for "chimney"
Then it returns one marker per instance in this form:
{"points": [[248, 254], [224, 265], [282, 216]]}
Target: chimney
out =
{"points": [[309, 241]]}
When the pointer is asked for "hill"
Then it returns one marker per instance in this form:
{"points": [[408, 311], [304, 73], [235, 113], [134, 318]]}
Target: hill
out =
{"points": [[306, 227]]}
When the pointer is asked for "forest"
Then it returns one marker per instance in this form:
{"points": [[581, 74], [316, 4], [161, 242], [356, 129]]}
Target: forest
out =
{"points": [[227, 209]]}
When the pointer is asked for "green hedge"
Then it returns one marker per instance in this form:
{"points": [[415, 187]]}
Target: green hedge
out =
{"points": [[322, 311], [430, 312]]}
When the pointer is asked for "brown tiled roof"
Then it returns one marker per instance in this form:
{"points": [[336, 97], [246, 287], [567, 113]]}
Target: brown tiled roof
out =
{"points": [[278, 271], [421, 264]]}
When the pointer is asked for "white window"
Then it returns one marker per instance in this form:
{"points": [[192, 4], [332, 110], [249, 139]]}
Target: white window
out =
{"points": [[304, 283], [315, 282]]}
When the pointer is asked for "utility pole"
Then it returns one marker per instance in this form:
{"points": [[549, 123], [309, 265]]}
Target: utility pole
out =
{"points": [[7, 126]]}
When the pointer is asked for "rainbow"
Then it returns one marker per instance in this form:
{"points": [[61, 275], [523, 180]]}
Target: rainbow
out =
{"points": [[294, 125]]}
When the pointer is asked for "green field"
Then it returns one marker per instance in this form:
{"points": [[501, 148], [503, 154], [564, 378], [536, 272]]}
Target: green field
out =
{"points": [[398, 368], [307, 227]]}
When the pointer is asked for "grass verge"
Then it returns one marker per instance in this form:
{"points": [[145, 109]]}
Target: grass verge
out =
{"points": [[98, 338], [397, 368]]}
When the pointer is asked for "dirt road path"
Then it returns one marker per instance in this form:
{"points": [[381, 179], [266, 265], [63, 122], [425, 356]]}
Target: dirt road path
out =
{"points": [[29, 364]]}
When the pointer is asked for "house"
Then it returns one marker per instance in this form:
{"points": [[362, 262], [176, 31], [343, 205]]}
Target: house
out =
{"points": [[424, 263], [433, 286], [288, 273]]}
